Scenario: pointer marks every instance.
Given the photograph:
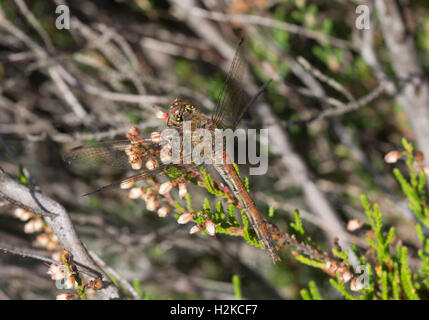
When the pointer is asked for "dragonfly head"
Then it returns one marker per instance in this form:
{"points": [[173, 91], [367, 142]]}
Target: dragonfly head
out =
{"points": [[180, 111]]}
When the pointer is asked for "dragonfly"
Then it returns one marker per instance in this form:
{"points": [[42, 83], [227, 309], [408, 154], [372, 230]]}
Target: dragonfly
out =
{"points": [[134, 151]]}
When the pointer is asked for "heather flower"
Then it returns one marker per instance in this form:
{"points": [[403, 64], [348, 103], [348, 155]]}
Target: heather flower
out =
{"points": [[182, 190], [195, 229], [22, 214], [165, 187], [155, 137], [57, 272], [152, 204], [34, 225], [210, 227], [135, 193], [392, 157], [151, 163], [137, 164], [64, 296], [353, 225], [163, 211], [185, 218], [161, 115]]}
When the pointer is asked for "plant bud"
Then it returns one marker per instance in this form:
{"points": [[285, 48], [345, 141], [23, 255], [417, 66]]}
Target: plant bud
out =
{"points": [[136, 165], [195, 229], [163, 211], [126, 184], [165, 187], [392, 156], [346, 276], [152, 204], [182, 190], [155, 137], [64, 296], [34, 225], [42, 240], [151, 163], [159, 114], [356, 285], [185, 218], [70, 282], [210, 227], [353, 225], [134, 131], [22, 214], [135, 193], [57, 272], [98, 284]]}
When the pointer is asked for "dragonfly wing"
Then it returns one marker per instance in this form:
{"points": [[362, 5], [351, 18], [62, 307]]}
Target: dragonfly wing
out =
{"points": [[230, 107], [229, 102], [130, 181], [111, 153]]}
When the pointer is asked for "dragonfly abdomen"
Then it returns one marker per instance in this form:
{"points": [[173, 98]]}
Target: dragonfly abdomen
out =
{"points": [[258, 223]]}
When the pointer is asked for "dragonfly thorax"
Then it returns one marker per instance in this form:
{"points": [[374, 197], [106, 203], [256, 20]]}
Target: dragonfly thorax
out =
{"points": [[180, 111]]}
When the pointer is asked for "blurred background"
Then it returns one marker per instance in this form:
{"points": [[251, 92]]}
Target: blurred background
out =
{"points": [[344, 93]]}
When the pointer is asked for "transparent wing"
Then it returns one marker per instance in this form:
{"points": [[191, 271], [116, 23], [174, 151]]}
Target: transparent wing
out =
{"points": [[130, 181], [229, 103], [110, 153]]}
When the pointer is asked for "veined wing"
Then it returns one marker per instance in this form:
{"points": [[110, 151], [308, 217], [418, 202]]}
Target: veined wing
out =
{"points": [[110, 153], [229, 103], [130, 181], [230, 107]]}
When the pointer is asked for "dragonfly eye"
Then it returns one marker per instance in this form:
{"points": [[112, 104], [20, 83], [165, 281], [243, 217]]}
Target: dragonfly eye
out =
{"points": [[189, 107]]}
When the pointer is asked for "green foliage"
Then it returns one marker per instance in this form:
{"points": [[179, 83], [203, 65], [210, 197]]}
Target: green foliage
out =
{"points": [[313, 294], [237, 287], [386, 264]]}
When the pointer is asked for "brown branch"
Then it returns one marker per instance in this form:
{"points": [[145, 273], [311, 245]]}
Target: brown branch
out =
{"points": [[59, 222]]}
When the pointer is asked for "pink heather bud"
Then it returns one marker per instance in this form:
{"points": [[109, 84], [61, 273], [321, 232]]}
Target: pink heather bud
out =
{"points": [[146, 194], [98, 284], [137, 165], [155, 137], [182, 190], [135, 193], [418, 155], [356, 285], [195, 229], [161, 115], [152, 204], [54, 238], [346, 276], [185, 218], [70, 283], [134, 131], [210, 227], [163, 211], [52, 245], [126, 184], [57, 255], [22, 214], [64, 296], [165, 187], [56, 272], [353, 225], [392, 156], [42, 240], [151, 163], [34, 225]]}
